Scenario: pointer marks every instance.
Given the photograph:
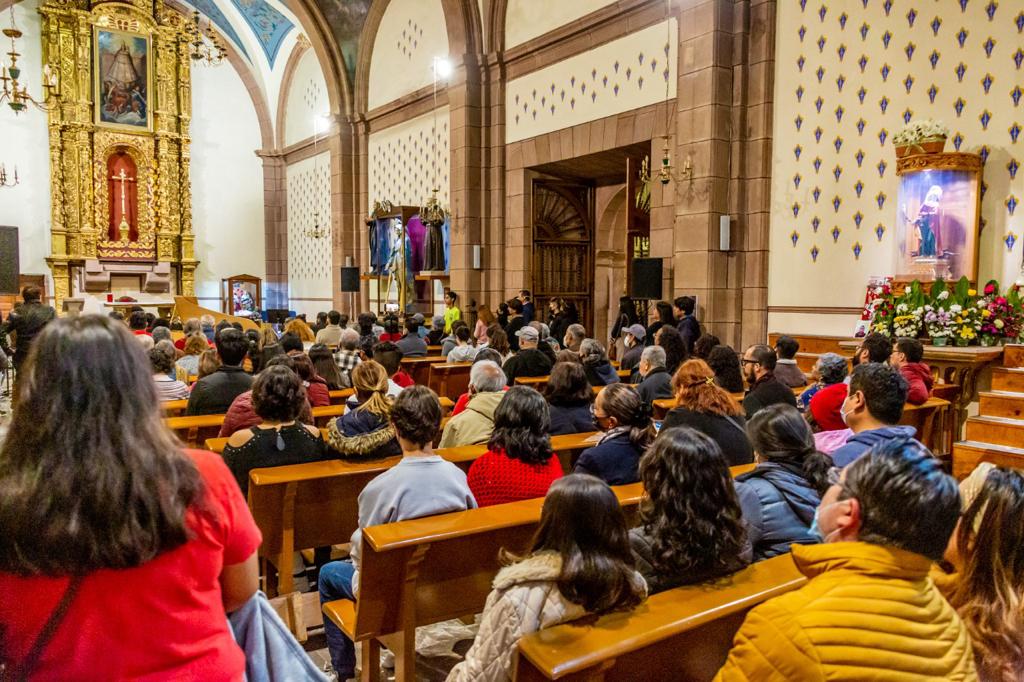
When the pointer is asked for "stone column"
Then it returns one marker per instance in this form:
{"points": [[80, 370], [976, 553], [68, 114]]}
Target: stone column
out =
{"points": [[275, 218]]}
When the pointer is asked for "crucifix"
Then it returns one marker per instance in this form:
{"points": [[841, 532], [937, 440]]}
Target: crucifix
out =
{"points": [[123, 225]]}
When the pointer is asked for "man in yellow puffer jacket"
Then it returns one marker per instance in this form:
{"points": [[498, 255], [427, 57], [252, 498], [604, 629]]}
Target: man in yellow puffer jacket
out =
{"points": [[869, 611]]}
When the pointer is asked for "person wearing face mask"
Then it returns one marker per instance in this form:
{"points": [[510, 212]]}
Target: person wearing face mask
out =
{"points": [[872, 410], [633, 342], [628, 430], [869, 608], [758, 366]]}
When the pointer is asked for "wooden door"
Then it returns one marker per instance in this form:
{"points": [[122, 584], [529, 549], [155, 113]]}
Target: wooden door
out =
{"points": [[563, 247]]}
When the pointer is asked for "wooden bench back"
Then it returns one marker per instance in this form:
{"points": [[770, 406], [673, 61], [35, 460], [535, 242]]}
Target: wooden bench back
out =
{"points": [[195, 429], [427, 570], [449, 380], [419, 368], [174, 408], [339, 396], [682, 634]]}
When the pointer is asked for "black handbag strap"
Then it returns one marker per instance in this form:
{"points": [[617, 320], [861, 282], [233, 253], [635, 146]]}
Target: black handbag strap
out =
{"points": [[31, 659]]}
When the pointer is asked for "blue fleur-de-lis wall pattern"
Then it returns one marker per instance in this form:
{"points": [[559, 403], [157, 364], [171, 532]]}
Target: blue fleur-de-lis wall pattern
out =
{"points": [[849, 75], [632, 72], [309, 199], [407, 159]]}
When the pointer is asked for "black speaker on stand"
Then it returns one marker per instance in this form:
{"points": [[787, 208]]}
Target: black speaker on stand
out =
{"points": [[646, 278], [350, 286]]}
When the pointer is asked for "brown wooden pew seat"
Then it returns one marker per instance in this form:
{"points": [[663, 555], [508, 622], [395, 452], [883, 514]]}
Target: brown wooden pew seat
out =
{"points": [[683, 634], [174, 408], [449, 379], [300, 506], [419, 368]]}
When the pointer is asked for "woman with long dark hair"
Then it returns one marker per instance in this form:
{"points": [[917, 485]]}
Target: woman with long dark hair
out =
{"points": [[691, 521], [499, 341], [704, 345], [789, 480], [579, 563], [111, 531], [724, 362], [569, 397], [325, 366], [519, 463], [987, 585], [628, 430], [703, 405], [664, 318], [673, 345], [278, 399], [316, 388]]}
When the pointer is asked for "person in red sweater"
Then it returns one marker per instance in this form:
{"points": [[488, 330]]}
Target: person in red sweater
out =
{"points": [[390, 357], [316, 388], [907, 356], [519, 463]]}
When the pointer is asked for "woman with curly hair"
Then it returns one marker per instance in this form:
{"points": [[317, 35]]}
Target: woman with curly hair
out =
{"points": [[704, 345], [519, 463], [987, 586], [701, 404], [277, 398], [579, 563], [725, 363], [628, 430], [299, 327], [595, 363], [675, 348], [365, 430], [789, 480], [691, 521]]}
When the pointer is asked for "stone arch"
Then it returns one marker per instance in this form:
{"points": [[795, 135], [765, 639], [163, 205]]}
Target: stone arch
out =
{"points": [[287, 78], [328, 54], [464, 37]]}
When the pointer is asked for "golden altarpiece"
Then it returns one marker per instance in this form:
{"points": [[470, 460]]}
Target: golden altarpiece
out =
{"points": [[119, 145]]}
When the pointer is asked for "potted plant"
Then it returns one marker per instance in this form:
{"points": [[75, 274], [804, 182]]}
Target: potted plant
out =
{"points": [[920, 137], [908, 318], [937, 319], [966, 313], [1000, 320], [885, 312]]}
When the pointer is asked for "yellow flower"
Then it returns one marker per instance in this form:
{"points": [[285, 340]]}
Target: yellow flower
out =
{"points": [[972, 292], [986, 313]]}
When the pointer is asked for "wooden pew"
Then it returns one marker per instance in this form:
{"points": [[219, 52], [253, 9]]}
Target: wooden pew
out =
{"points": [[449, 379], [680, 634], [433, 350], [193, 430], [340, 396], [299, 506], [427, 570], [174, 408], [419, 368]]}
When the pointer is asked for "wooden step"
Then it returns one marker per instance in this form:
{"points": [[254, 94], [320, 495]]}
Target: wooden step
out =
{"points": [[997, 430], [1008, 379], [968, 453], [1001, 404], [1013, 355]]}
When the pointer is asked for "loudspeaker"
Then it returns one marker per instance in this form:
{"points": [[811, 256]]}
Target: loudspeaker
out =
{"points": [[350, 280], [9, 267], [724, 233], [475, 257], [646, 278]]}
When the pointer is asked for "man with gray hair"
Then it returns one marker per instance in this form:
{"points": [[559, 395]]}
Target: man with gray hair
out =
{"points": [[473, 425], [656, 382], [347, 355], [530, 361], [206, 326], [574, 336]]}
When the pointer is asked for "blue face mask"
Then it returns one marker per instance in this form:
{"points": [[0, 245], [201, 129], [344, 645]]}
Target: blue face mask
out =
{"points": [[815, 530]]}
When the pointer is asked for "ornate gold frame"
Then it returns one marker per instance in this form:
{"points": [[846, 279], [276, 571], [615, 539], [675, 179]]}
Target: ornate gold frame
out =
{"points": [[951, 161], [96, 78]]}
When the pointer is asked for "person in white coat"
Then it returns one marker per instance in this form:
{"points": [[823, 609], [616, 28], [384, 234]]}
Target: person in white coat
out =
{"points": [[580, 563]]}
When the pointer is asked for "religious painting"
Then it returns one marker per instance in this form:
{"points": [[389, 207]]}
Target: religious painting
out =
{"points": [[122, 78], [938, 213]]}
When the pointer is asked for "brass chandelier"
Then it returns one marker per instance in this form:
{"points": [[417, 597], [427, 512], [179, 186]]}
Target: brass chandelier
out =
{"points": [[14, 92], [206, 46]]}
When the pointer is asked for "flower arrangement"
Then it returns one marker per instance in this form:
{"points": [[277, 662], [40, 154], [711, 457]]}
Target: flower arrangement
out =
{"points": [[956, 312], [923, 130]]}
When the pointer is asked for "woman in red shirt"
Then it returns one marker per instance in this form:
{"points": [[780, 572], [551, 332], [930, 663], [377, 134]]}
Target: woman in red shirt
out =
{"points": [[120, 553], [518, 464]]}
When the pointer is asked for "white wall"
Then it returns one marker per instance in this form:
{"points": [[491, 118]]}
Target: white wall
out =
{"points": [[402, 160], [411, 34], [836, 44], [227, 181], [309, 260], [625, 74], [306, 100], [24, 143], [527, 19]]}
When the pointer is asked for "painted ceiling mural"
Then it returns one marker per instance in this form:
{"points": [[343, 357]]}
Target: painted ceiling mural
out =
{"points": [[346, 19], [269, 25]]}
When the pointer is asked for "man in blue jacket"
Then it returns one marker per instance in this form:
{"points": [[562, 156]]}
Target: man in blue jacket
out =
{"points": [[872, 409]]}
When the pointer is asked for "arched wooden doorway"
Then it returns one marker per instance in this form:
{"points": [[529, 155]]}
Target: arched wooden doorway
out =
{"points": [[563, 246]]}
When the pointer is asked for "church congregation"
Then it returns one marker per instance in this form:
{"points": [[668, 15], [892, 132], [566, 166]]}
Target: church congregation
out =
{"points": [[510, 341]]}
